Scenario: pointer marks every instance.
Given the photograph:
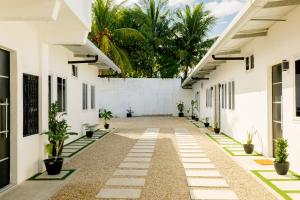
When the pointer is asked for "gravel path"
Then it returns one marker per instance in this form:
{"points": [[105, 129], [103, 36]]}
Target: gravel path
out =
{"points": [[166, 177]]}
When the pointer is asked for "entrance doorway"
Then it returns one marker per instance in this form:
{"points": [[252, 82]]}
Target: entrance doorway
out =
{"points": [[4, 118], [276, 103]]}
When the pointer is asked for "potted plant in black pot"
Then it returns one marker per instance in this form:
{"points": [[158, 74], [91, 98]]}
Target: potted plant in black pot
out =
{"points": [[90, 129], [180, 107], [106, 115], [249, 147], [129, 112], [281, 165], [216, 127], [206, 122], [57, 134]]}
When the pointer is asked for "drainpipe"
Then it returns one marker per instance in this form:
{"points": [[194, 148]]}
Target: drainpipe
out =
{"points": [[227, 58], [85, 61]]}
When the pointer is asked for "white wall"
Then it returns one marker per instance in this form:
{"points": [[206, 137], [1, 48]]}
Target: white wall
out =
{"points": [[144, 96], [253, 89]]}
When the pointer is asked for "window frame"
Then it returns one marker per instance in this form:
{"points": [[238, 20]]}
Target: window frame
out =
{"points": [[93, 96], [63, 94], [84, 96]]}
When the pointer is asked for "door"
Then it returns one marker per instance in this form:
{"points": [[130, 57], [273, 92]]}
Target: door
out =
{"points": [[276, 103], [4, 119], [217, 104]]}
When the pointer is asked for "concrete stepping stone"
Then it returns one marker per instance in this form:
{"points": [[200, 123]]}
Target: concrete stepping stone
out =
{"points": [[134, 165], [70, 150], [207, 182], [65, 154], [202, 173], [115, 193], [142, 147], [135, 159], [198, 166], [141, 150], [190, 151], [195, 160], [139, 155], [193, 155], [126, 182], [228, 143], [202, 194], [294, 196], [189, 143], [274, 175], [130, 172], [287, 185], [189, 147]]}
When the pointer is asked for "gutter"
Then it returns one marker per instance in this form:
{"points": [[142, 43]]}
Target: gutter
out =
{"points": [[96, 58]]}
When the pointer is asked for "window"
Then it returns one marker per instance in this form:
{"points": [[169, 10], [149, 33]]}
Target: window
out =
{"points": [[209, 97], [247, 63], [61, 94], [30, 105], [252, 61], [297, 87], [74, 70], [84, 96], [231, 95], [223, 95], [49, 91], [92, 97]]}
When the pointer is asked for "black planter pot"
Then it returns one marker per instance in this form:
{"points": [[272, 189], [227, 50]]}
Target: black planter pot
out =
{"points": [[53, 166], [89, 134], [206, 125], [196, 119], [217, 130], [249, 148], [193, 117], [180, 115], [106, 126], [282, 168], [129, 115]]}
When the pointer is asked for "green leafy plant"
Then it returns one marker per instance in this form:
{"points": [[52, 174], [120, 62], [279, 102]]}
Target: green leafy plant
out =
{"points": [[180, 106], [106, 115], [57, 133], [281, 153], [206, 120], [91, 128], [250, 135], [216, 124]]}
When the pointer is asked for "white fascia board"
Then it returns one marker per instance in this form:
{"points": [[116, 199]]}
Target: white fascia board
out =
{"points": [[231, 30]]}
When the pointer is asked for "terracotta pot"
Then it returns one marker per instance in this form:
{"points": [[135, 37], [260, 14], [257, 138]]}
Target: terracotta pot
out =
{"points": [[282, 168]]}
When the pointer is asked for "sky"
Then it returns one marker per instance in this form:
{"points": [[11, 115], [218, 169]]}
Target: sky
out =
{"points": [[224, 10]]}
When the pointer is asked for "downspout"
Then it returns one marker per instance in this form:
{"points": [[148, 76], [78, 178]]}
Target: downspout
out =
{"points": [[85, 61], [227, 58]]}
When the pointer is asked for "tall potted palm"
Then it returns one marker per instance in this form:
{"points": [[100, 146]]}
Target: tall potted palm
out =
{"points": [[57, 134]]}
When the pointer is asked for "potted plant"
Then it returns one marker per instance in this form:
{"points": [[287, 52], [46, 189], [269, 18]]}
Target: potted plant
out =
{"points": [[206, 122], [180, 107], [281, 165], [106, 115], [100, 111], [90, 129], [216, 127], [57, 134], [249, 147], [192, 108], [129, 112]]}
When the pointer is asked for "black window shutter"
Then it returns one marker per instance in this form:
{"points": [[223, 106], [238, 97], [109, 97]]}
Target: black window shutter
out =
{"points": [[30, 105]]}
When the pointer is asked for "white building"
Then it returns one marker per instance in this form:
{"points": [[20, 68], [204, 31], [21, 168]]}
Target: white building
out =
{"points": [[253, 83], [37, 39]]}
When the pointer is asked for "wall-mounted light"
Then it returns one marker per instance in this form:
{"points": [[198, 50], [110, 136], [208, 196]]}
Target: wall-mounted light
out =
{"points": [[285, 65]]}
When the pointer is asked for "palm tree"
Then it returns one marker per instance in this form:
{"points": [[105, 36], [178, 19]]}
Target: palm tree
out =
{"points": [[106, 35], [191, 28]]}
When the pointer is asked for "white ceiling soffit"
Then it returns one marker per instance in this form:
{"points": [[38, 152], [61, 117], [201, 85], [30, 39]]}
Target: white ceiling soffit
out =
{"points": [[253, 21], [90, 49]]}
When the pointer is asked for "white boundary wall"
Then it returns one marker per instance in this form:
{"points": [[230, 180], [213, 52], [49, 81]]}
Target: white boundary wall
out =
{"points": [[144, 96]]}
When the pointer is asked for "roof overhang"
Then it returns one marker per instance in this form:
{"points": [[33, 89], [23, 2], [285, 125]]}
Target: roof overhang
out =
{"points": [[89, 49], [253, 21]]}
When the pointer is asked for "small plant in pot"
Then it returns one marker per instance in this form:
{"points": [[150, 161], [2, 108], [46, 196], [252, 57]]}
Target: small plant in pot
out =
{"points": [[180, 107], [216, 127], [90, 129], [129, 112], [57, 134], [249, 147], [206, 122], [106, 115], [281, 165]]}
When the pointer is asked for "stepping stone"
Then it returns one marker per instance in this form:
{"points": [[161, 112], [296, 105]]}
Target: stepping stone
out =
{"points": [[134, 159], [126, 182], [142, 147], [64, 154], [190, 151], [287, 185], [206, 182], [235, 149], [195, 160], [202, 173], [189, 144], [198, 166], [139, 155], [228, 143], [130, 172], [274, 175], [202, 194], [69, 150], [134, 165], [193, 155], [189, 147], [294, 196], [141, 150], [119, 193]]}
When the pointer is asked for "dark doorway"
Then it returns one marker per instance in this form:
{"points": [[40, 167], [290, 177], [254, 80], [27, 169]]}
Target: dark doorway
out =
{"points": [[276, 103], [4, 118]]}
